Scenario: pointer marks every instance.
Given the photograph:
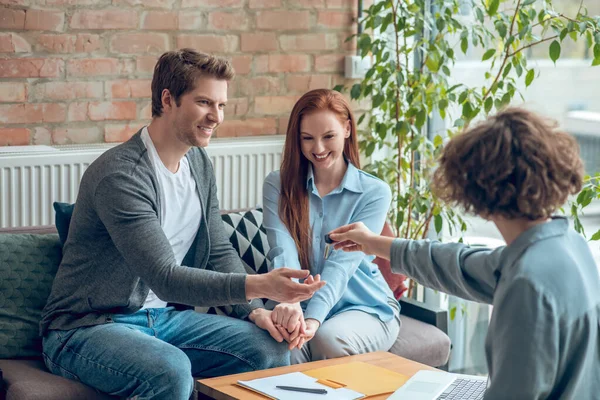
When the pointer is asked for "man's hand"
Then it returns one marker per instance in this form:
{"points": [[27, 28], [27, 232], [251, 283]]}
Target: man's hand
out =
{"points": [[278, 285], [287, 315], [289, 321], [262, 319], [357, 237]]}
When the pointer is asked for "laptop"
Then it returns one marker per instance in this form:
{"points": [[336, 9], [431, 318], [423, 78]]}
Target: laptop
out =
{"points": [[438, 385]]}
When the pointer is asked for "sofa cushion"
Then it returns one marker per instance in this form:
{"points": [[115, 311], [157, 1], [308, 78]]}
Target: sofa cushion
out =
{"points": [[62, 219], [29, 379], [394, 281], [421, 342], [28, 264], [248, 237]]}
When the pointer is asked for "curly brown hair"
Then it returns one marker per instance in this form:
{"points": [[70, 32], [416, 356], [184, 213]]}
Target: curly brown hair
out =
{"points": [[514, 164]]}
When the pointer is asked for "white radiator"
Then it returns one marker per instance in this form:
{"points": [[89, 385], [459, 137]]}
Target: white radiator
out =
{"points": [[33, 177]]}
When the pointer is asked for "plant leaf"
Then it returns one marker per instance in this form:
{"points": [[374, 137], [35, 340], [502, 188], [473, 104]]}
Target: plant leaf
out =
{"points": [[420, 120], [488, 54], [464, 45], [494, 4], [527, 2], [364, 42], [529, 77], [501, 27], [563, 33], [438, 222], [506, 70], [554, 51], [596, 236], [489, 103], [479, 14], [467, 110], [355, 91], [452, 313]]}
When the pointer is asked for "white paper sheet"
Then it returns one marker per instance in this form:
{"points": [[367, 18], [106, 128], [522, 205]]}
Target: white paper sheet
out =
{"points": [[268, 385]]}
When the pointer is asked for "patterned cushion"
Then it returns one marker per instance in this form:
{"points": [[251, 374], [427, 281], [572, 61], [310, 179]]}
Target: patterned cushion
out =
{"points": [[28, 264], [249, 238]]}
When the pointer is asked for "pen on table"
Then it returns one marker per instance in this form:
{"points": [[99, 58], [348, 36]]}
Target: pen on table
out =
{"points": [[304, 390]]}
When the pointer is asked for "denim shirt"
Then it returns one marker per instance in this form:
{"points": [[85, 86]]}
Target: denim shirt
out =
{"points": [[543, 340], [353, 280]]}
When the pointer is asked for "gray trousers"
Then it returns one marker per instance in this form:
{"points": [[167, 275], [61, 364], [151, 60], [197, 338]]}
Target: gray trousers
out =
{"points": [[349, 333]]}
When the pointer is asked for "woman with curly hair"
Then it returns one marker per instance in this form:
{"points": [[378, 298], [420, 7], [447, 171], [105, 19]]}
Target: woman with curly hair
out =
{"points": [[513, 169], [320, 186]]}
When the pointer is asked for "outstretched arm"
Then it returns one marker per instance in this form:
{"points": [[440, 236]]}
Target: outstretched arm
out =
{"points": [[452, 268]]}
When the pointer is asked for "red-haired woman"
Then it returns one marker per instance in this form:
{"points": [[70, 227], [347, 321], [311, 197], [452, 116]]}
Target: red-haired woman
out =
{"points": [[318, 188]]}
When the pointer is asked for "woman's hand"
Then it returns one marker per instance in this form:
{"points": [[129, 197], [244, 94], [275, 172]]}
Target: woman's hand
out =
{"points": [[357, 237], [311, 329]]}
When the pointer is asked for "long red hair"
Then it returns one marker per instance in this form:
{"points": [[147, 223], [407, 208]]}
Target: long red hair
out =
{"points": [[293, 203]]}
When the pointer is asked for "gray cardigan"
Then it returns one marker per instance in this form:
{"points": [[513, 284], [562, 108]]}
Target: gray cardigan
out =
{"points": [[116, 249], [543, 340]]}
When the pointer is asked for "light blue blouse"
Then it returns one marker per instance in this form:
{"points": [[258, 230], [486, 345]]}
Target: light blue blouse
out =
{"points": [[353, 280]]}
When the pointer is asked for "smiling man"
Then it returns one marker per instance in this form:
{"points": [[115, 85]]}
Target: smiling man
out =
{"points": [[146, 238]]}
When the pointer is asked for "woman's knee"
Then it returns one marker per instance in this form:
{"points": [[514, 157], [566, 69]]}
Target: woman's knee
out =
{"points": [[327, 344]]}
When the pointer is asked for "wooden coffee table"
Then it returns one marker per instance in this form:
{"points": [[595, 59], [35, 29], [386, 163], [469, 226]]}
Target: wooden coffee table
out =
{"points": [[224, 388]]}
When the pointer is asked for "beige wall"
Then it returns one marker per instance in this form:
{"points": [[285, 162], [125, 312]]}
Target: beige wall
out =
{"points": [[79, 71]]}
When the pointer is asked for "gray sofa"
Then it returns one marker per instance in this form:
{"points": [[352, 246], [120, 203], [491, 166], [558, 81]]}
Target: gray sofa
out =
{"points": [[29, 258]]}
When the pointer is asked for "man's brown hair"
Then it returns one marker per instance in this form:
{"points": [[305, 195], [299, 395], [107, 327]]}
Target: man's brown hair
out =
{"points": [[514, 164], [177, 71]]}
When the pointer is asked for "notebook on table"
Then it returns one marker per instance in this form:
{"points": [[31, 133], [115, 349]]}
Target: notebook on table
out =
{"points": [[348, 381], [268, 387]]}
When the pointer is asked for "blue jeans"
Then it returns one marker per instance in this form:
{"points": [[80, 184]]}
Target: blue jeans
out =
{"points": [[154, 353]]}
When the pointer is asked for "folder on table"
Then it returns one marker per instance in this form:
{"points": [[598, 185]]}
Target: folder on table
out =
{"points": [[355, 380], [368, 379]]}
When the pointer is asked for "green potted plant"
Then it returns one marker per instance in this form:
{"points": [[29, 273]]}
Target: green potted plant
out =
{"points": [[413, 46]]}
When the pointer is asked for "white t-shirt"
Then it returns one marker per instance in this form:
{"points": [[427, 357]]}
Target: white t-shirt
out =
{"points": [[180, 208]]}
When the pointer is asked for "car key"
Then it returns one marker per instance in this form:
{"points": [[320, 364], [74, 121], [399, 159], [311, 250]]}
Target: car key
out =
{"points": [[328, 246]]}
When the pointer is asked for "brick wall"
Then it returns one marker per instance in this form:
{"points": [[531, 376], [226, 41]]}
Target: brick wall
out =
{"points": [[79, 71]]}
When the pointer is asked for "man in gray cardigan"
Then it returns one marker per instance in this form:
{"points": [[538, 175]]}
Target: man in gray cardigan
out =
{"points": [[146, 231]]}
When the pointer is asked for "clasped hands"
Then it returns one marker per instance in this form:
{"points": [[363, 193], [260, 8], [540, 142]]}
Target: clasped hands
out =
{"points": [[279, 286], [289, 321], [286, 321]]}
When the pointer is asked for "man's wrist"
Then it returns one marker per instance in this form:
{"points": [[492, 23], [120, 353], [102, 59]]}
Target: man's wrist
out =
{"points": [[254, 314], [253, 287]]}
